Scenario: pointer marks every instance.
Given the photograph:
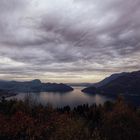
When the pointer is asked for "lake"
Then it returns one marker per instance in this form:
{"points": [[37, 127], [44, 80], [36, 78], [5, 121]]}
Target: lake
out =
{"points": [[73, 98]]}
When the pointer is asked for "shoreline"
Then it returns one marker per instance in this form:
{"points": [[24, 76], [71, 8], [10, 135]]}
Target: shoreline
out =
{"points": [[8, 95]]}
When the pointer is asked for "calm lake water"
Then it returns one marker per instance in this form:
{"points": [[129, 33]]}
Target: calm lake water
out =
{"points": [[73, 98]]}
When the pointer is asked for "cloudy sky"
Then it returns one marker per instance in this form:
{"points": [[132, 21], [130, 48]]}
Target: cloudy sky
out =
{"points": [[68, 40]]}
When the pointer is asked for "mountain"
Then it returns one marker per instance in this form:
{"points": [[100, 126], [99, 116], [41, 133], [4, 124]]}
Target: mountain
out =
{"points": [[80, 84], [33, 86], [126, 84], [109, 79], [53, 87], [91, 90]]}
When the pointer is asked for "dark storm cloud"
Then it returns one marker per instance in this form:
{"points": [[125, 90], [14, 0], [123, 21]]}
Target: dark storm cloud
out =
{"points": [[75, 36]]}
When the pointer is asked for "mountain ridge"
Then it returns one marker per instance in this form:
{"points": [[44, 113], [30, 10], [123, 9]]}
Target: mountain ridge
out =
{"points": [[126, 84], [33, 86]]}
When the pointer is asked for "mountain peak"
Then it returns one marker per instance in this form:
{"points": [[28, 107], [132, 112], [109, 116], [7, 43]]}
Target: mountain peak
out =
{"points": [[36, 81]]}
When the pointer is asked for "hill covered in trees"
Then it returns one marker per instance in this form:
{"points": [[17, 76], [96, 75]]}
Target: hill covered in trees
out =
{"points": [[124, 83], [27, 120], [33, 86]]}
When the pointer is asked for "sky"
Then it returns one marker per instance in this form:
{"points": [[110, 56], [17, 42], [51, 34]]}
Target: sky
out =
{"points": [[70, 41]]}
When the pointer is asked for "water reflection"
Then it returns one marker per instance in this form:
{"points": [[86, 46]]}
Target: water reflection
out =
{"points": [[74, 98]]}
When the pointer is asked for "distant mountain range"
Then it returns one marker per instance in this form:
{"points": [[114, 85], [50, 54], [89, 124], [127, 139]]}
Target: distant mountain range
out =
{"points": [[122, 83], [80, 84], [33, 86]]}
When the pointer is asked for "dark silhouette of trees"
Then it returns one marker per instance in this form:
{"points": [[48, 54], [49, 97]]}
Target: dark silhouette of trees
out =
{"points": [[111, 121]]}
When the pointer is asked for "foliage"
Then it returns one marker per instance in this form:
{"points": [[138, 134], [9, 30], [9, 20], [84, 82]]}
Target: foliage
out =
{"points": [[30, 121]]}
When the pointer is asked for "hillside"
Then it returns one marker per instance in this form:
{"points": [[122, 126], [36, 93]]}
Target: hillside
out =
{"points": [[24, 120], [128, 83], [109, 79], [33, 86]]}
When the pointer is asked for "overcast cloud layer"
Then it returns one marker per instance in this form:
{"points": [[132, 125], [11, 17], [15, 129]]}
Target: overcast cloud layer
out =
{"points": [[68, 40]]}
